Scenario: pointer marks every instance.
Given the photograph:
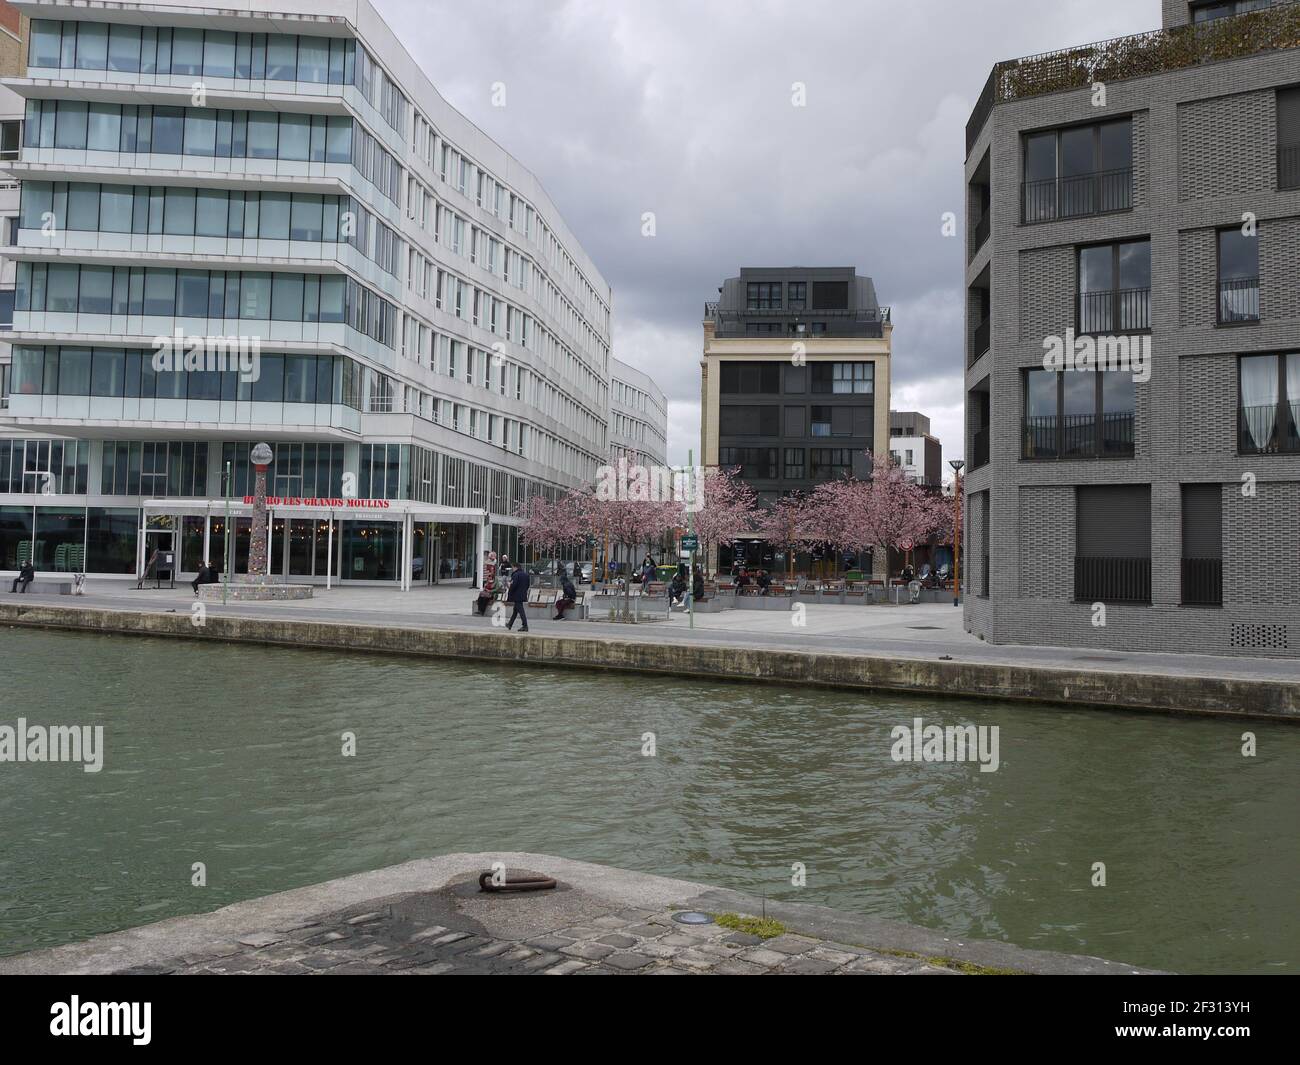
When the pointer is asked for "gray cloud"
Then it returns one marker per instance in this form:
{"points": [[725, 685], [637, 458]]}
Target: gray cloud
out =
{"points": [[684, 109]]}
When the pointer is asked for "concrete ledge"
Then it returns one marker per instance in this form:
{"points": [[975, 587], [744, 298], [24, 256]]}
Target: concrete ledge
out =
{"points": [[262, 918], [1266, 698]]}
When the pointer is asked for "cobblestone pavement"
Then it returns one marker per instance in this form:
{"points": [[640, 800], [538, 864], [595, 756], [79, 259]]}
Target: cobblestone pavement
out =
{"points": [[399, 938]]}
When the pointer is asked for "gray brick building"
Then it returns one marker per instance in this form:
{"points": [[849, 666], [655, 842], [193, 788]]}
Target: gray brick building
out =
{"points": [[1139, 199]]}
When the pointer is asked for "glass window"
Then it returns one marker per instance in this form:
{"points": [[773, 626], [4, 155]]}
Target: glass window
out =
{"points": [[178, 215], [218, 54], [300, 379], [108, 372], [273, 216], [61, 289], [168, 130], [74, 372], [255, 296], [269, 387], [295, 136], [286, 297], [262, 134], [124, 48], [92, 46], [83, 206], [281, 57], [192, 294], [96, 296], [115, 208], [210, 213], [45, 43], [313, 59], [70, 124], [105, 128], [200, 131], [187, 51], [160, 292], [338, 141], [306, 218]]}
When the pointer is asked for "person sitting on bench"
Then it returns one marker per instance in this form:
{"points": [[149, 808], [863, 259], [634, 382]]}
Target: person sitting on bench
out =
{"points": [[206, 575], [26, 574], [568, 597]]}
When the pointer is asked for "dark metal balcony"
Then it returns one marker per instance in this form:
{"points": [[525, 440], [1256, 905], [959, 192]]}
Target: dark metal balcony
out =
{"points": [[1115, 311], [1271, 429], [980, 340], [1078, 436], [1288, 167], [980, 449], [1138, 56], [982, 229], [731, 322], [1202, 582], [1112, 580], [1239, 300], [1077, 196]]}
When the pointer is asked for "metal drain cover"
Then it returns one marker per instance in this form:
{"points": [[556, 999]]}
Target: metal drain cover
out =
{"points": [[692, 917]]}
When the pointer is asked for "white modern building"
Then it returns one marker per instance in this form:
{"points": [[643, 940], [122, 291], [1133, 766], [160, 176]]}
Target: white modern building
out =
{"points": [[432, 342], [638, 420]]}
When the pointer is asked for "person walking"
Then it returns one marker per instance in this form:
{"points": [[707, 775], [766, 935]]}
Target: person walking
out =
{"points": [[517, 594], [26, 574], [568, 597]]}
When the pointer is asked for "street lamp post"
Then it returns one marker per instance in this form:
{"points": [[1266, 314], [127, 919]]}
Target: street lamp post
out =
{"points": [[956, 465]]}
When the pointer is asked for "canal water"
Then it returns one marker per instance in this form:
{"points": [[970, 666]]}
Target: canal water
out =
{"points": [[231, 755]]}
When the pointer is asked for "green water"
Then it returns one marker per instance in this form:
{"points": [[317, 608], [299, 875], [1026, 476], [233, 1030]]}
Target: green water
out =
{"points": [[231, 756]]}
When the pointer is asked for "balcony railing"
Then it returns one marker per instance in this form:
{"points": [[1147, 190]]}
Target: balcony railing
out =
{"points": [[1202, 582], [980, 449], [1116, 311], [1139, 56], [1078, 436], [1100, 192], [982, 229], [1271, 429], [980, 340], [1288, 167], [1112, 580], [1239, 300]]}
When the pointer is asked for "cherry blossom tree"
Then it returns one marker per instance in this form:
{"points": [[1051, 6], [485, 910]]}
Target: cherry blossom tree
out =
{"points": [[551, 525], [790, 523], [727, 508]]}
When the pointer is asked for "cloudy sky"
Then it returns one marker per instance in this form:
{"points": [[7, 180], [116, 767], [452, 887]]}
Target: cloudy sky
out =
{"points": [[683, 108]]}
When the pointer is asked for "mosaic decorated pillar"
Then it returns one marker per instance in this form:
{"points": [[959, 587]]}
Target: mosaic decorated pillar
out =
{"points": [[262, 458]]}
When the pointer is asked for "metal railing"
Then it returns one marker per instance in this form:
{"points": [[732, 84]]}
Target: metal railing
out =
{"points": [[982, 229], [1288, 166], [979, 343], [1239, 300], [1202, 582], [980, 449], [1269, 429], [1112, 580], [1137, 56], [1124, 310], [1078, 436], [1076, 196]]}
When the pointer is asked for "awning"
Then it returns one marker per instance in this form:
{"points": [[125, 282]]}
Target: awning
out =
{"points": [[395, 510]]}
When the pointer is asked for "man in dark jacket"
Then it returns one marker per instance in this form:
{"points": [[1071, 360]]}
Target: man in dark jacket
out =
{"points": [[206, 575], [26, 574], [518, 594], [568, 596]]}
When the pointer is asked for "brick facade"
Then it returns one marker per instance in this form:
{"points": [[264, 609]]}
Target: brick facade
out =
{"points": [[1204, 154]]}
